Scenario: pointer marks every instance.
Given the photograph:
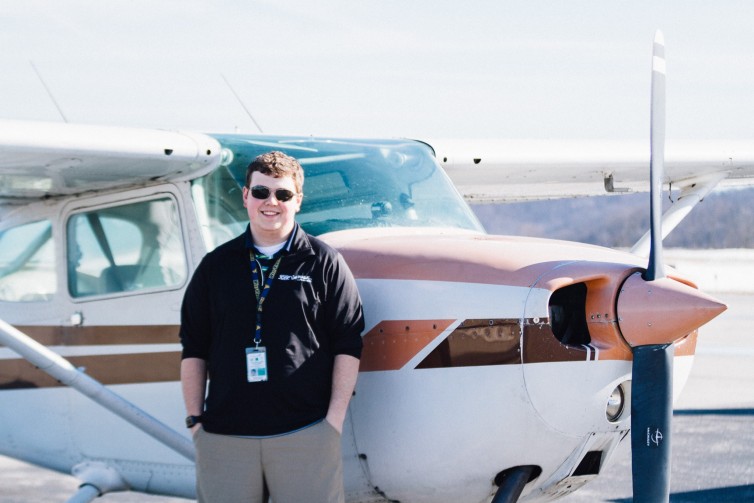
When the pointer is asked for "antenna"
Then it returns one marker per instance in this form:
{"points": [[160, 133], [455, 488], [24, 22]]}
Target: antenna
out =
{"points": [[242, 103], [49, 93]]}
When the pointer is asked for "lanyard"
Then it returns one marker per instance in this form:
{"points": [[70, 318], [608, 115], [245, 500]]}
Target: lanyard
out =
{"points": [[261, 295]]}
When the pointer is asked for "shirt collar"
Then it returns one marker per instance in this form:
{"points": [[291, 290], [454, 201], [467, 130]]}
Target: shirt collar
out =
{"points": [[288, 243]]}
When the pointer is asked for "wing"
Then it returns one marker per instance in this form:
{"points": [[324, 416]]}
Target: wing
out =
{"points": [[511, 170], [39, 159]]}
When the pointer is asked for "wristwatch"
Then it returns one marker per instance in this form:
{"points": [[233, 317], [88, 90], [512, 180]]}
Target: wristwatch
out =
{"points": [[192, 421]]}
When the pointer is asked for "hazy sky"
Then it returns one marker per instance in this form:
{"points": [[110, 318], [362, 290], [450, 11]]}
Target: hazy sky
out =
{"points": [[492, 69]]}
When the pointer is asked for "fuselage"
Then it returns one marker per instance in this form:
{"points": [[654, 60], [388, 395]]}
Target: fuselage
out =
{"points": [[482, 353]]}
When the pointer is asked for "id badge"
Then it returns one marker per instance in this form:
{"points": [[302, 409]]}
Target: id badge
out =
{"points": [[256, 364]]}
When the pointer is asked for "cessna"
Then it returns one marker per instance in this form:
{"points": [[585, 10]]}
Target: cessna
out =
{"points": [[495, 368]]}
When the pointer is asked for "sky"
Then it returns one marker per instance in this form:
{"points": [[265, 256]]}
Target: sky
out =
{"points": [[420, 69]]}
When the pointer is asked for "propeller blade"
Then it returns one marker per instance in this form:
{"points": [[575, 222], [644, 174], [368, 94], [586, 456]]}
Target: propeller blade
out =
{"points": [[655, 268], [651, 413], [652, 371]]}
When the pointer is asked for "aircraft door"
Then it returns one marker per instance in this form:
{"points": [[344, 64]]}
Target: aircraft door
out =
{"points": [[127, 266]]}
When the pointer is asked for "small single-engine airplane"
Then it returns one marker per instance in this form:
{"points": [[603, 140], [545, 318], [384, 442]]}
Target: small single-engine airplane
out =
{"points": [[495, 368]]}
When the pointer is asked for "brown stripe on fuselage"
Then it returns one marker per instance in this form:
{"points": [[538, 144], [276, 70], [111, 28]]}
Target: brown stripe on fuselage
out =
{"points": [[392, 344], [388, 346], [101, 334], [541, 346], [477, 343], [107, 369]]}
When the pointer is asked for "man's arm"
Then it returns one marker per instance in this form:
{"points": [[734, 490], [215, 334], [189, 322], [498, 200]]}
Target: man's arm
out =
{"points": [[194, 384], [344, 374]]}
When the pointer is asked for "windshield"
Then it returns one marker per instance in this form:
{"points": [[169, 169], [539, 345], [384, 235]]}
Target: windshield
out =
{"points": [[348, 184]]}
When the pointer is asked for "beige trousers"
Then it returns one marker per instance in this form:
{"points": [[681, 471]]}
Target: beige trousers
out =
{"points": [[304, 466]]}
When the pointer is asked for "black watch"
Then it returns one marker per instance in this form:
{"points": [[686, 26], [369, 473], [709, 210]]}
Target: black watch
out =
{"points": [[192, 421]]}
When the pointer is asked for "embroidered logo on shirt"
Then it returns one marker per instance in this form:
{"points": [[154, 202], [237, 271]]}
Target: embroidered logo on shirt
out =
{"points": [[295, 277]]}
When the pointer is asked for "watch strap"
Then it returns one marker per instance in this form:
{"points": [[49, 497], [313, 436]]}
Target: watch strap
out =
{"points": [[192, 421]]}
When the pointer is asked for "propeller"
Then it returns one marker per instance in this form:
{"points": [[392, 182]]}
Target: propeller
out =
{"points": [[654, 312], [652, 370]]}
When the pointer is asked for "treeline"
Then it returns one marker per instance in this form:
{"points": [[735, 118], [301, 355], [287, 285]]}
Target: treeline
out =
{"points": [[722, 220]]}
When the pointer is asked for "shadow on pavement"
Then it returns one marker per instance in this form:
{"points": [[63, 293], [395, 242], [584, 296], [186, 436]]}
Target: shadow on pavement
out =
{"points": [[718, 495]]}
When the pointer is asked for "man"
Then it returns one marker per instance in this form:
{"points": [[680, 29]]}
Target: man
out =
{"points": [[274, 319]]}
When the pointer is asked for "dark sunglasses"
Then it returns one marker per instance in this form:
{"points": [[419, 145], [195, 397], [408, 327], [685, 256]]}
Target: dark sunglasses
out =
{"points": [[262, 192]]}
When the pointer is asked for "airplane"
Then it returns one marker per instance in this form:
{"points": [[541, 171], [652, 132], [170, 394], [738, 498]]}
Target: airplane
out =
{"points": [[495, 368]]}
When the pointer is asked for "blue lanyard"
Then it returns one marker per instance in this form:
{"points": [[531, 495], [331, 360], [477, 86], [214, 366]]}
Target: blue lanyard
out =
{"points": [[261, 295]]}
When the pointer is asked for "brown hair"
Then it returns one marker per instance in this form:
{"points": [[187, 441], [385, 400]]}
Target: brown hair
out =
{"points": [[277, 165]]}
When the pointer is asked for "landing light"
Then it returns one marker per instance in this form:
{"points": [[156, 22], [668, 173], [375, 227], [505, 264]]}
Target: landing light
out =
{"points": [[615, 404]]}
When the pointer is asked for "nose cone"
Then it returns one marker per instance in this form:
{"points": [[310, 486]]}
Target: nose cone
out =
{"points": [[662, 311]]}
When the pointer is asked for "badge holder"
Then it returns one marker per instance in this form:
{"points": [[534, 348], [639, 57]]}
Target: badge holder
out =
{"points": [[256, 364]]}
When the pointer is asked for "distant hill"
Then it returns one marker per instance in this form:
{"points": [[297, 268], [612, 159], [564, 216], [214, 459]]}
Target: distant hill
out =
{"points": [[725, 219]]}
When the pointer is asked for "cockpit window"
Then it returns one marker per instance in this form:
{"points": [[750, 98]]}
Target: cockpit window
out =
{"points": [[349, 184], [125, 248], [27, 263]]}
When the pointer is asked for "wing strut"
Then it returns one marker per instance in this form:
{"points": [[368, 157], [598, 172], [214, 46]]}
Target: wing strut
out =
{"points": [[692, 193], [62, 370]]}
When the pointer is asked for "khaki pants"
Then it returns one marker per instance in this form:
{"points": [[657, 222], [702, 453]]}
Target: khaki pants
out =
{"points": [[304, 466]]}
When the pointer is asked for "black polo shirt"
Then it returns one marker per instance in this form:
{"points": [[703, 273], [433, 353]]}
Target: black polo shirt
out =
{"points": [[312, 313]]}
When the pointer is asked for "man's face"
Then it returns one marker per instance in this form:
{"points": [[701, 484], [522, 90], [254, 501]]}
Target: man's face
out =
{"points": [[271, 220]]}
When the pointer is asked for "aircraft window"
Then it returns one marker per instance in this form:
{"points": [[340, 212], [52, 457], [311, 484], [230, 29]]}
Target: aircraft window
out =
{"points": [[125, 248], [218, 201], [27, 263]]}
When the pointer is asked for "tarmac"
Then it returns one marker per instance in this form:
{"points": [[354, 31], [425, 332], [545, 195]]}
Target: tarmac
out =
{"points": [[713, 432]]}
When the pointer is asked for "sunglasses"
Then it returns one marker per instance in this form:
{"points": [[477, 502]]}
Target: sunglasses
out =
{"points": [[262, 192]]}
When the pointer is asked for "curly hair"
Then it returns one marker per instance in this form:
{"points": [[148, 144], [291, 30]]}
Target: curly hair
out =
{"points": [[277, 165]]}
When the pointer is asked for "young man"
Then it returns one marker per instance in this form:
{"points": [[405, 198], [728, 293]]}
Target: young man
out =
{"points": [[274, 319]]}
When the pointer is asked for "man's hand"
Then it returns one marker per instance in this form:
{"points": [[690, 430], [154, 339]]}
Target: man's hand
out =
{"points": [[344, 374]]}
